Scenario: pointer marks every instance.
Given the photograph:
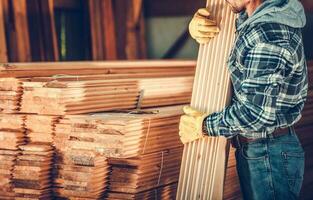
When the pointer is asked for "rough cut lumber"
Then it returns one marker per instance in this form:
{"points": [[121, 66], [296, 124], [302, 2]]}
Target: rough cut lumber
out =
{"points": [[77, 97], [167, 192], [211, 93], [43, 69], [32, 172], [146, 172], [121, 135]]}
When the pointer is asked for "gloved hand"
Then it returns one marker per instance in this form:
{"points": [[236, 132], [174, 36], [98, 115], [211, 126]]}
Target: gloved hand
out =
{"points": [[191, 125], [201, 28]]}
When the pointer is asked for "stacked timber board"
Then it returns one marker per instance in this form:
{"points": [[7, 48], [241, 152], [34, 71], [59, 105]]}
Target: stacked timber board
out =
{"points": [[146, 68], [138, 174], [141, 143], [12, 134], [76, 97], [121, 135], [10, 95], [80, 174], [167, 192], [32, 172], [40, 128]]}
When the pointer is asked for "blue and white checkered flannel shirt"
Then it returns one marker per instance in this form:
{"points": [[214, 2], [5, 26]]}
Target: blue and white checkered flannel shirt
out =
{"points": [[269, 76]]}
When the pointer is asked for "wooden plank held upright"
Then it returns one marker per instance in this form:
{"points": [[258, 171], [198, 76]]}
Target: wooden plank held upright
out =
{"points": [[204, 161]]}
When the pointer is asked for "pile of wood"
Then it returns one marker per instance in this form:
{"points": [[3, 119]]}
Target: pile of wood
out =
{"points": [[143, 69], [10, 95], [12, 134], [76, 97], [133, 176], [121, 135], [164, 192], [80, 174], [32, 172], [7, 163], [40, 128]]}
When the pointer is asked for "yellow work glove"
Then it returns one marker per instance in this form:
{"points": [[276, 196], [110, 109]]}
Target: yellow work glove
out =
{"points": [[191, 125], [201, 28]]}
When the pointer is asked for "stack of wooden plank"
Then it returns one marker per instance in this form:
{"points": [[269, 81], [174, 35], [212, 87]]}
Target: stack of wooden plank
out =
{"points": [[40, 128], [132, 176], [146, 69], [121, 135], [10, 95], [164, 192], [7, 162], [32, 172], [80, 174], [76, 97], [12, 134]]}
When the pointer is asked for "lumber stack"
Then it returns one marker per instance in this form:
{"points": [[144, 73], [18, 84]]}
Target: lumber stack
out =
{"points": [[211, 93], [10, 95], [121, 135], [164, 192], [12, 134], [143, 173], [76, 97], [80, 174], [40, 128], [32, 172], [164, 68]]}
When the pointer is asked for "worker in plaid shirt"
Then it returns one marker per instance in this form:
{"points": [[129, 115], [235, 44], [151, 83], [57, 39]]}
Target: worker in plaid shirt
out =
{"points": [[269, 77]]}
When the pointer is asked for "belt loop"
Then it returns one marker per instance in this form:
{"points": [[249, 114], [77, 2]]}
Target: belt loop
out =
{"points": [[270, 136]]}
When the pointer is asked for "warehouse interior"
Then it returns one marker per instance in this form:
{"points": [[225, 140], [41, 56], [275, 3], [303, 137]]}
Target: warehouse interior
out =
{"points": [[91, 93]]}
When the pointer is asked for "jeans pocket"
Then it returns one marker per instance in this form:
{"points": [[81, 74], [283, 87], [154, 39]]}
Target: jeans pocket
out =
{"points": [[253, 152], [294, 169]]}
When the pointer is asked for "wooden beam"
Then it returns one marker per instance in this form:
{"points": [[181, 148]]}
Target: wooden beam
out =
{"points": [[3, 45]]}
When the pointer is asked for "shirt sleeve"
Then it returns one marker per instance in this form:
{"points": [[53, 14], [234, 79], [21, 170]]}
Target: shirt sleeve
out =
{"points": [[255, 109]]}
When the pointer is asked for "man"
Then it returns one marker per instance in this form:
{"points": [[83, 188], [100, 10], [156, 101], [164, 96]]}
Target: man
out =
{"points": [[269, 77]]}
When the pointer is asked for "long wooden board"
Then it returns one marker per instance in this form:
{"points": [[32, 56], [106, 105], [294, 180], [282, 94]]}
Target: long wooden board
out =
{"points": [[204, 161]]}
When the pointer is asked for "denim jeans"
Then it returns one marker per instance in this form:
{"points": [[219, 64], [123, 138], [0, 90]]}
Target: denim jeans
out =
{"points": [[271, 168]]}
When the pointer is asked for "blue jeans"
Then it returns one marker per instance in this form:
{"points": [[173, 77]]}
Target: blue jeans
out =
{"points": [[271, 168]]}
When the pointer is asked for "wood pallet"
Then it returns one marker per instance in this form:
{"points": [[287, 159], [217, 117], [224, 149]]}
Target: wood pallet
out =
{"points": [[211, 93], [154, 68], [32, 172], [167, 192], [121, 134], [146, 172]]}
